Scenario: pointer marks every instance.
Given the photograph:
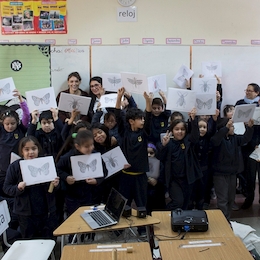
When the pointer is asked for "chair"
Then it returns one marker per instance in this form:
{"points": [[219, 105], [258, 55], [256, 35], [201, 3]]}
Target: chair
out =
{"points": [[40, 249]]}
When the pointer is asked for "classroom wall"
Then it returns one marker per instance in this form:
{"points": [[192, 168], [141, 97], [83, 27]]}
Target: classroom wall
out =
{"points": [[188, 20]]}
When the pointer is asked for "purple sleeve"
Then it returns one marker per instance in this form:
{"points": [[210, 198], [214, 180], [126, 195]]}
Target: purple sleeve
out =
{"points": [[26, 114]]}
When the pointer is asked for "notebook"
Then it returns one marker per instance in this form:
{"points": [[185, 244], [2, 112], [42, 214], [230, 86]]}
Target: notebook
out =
{"points": [[110, 215]]}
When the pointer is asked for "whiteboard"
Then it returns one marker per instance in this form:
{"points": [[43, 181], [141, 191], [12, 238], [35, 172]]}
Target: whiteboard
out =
{"points": [[149, 60], [240, 66], [67, 59]]}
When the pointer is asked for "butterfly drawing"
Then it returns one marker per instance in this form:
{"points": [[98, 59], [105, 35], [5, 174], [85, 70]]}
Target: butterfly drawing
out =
{"points": [[135, 81], [107, 100], [201, 104], [42, 170], [244, 113], [114, 81], [44, 100], [183, 76], [212, 68], [5, 89], [84, 166]]}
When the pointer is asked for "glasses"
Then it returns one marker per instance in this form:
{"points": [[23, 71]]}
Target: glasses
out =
{"points": [[95, 85], [250, 91]]}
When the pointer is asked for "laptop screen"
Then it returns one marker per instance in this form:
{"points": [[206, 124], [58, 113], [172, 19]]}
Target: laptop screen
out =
{"points": [[115, 204]]}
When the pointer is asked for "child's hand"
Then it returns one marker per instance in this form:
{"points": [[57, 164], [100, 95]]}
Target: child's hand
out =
{"points": [[55, 113], [166, 138], [70, 180], [215, 117], [91, 181], [218, 79], [152, 181], [250, 123], [16, 93], [187, 83], [73, 115], [21, 185], [98, 106], [126, 166], [127, 94], [56, 181], [218, 96], [193, 113], [120, 92], [201, 76], [35, 116], [229, 123]]}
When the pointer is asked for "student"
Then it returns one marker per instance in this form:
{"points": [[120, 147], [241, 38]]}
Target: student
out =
{"points": [[34, 205], [78, 193], [176, 115], [48, 135], [225, 162], [181, 165], [11, 132], [134, 132], [160, 118]]}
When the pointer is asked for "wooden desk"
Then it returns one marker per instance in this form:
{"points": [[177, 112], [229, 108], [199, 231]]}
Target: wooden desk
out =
{"points": [[81, 252], [218, 226], [76, 225], [231, 248]]}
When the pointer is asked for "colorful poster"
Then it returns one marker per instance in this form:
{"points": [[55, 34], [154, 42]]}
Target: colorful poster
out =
{"points": [[33, 17]]}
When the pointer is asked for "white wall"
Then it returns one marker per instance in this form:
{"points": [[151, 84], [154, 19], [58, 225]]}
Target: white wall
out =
{"points": [[186, 19]]}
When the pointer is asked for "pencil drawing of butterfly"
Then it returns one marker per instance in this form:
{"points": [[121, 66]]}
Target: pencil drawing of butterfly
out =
{"points": [[244, 113], [44, 100], [114, 81], [183, 76], [42, 170], [135, 81], [212, 68], [201, 104], [5, 89], [107, 100], [83, 166]]}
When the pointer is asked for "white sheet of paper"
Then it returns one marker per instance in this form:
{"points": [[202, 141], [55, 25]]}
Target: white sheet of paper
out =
{"points": [[134, 82], [206, 104], [108, 100], [157, 83], [255, 154], [239, 128], [114, 160], [14, 157], [6, 89], [211, 68], [181, 99], [4, 216], [86, 166], [68, 102], [183, 73], [41, 99], [154, 167], [38, 170], [256, 116], [243, 113], [111, 81], [204, 85]]}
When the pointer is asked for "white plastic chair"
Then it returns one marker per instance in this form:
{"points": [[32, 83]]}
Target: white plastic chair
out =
{"points": [[40, 249]]}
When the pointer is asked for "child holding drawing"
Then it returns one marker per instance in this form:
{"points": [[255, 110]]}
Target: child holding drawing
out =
{"points": [[34, 205]]}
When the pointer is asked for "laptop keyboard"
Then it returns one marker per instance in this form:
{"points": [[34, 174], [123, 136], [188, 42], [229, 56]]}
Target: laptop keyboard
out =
{"points": [[100, 218]]}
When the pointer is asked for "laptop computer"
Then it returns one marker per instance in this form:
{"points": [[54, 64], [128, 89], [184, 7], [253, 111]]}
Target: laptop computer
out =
{"points": [[108, 216]]}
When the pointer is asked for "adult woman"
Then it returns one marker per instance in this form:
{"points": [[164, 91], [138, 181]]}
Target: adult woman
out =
{"points": [[74, 81], [251, 166]]}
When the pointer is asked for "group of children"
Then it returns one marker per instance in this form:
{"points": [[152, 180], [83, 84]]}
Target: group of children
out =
{"points": [[190, 153]]}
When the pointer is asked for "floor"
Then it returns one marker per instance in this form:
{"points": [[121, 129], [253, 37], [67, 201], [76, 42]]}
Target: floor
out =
{"points": [[249, 216]]}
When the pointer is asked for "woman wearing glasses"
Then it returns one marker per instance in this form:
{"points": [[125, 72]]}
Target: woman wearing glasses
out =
{"points": [[74, 81], [251, 166]]}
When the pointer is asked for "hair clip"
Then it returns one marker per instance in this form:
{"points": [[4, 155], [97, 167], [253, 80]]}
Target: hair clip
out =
{"points": [[74, 135]]}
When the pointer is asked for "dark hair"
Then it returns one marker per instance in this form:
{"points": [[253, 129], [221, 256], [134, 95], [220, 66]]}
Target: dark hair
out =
{"points": [[157, 101], [176, 122], [255, 87], [134, 113], [202, 119], [107, 142], [27, 139], [226, 109], [83, 136], [9, 113], [176, 114], [96, 78], [47, 114], [108, 115], [74, 74]]}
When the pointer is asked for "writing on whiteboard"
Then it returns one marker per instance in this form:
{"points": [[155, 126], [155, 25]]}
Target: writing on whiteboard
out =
{"points": [[67, 50]]}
